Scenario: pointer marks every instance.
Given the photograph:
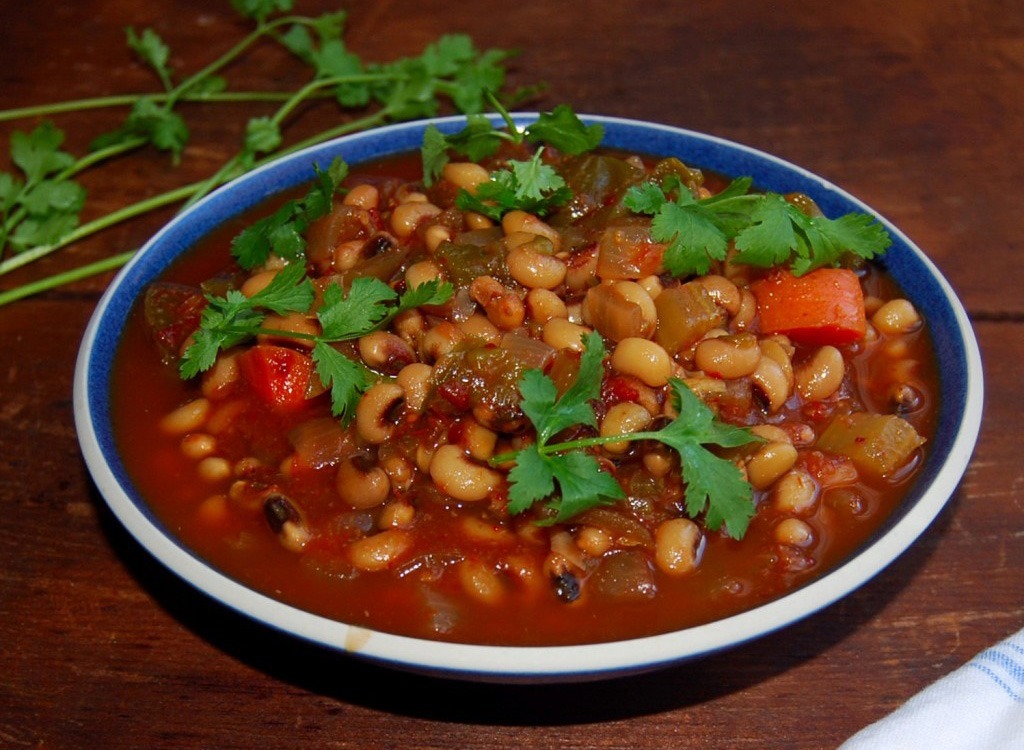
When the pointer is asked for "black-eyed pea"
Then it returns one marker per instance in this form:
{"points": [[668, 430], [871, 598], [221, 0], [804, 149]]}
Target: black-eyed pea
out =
{"points": [[644, 359], [476, 220], [257, 282], [214, 469], [678, 544], [771, 433], [770, 462], [773, 382], [189, 417], [559, 333], [728, 357], [652, 285], [385, 352], [198, 445], [361, 483], [503, 306], [460, 477], [483, 530], [723, 291], [542, 305], [422, 272], [401, 472], [535, 269], [520, 221], [286, 521], [397, 514], [414, 380], [439, 340], [822, 376], [795, 492], [658, 461], [409, 324], [781, 350], [381, 550], [624, 418], [593, 541], [406, 217], [895, 317], [480, 581], [465, 174], [213, 511], [435, 235], [747, 311], [478, 326], [794, 533], [375, 420], [366, 197], [218, 379], [479, 441], [298, 323]]}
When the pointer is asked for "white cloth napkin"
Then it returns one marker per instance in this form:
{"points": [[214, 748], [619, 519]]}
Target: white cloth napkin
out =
{"points": [[980, 706]]}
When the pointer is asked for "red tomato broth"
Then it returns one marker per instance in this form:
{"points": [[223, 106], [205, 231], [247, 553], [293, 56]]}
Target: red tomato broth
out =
{"points": [[420, 596]]}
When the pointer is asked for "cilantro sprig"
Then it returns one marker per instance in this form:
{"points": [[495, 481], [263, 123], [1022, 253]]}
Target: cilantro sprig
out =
{"points": [[40, 207], [531, 186], [369, 305], [560, 128], [765, 228], [569, 480]]}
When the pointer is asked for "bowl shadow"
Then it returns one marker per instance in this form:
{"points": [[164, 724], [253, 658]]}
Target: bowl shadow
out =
{"points": [[316, 669]]}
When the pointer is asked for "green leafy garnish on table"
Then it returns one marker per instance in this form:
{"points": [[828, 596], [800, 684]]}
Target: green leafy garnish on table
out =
{"points": [[765, 228], [568, 479], [369, 305], [40, 210]]}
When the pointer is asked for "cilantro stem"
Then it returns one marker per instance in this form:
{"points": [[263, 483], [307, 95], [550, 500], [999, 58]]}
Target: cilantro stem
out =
{"points": [[67, 277], [570, 445], [127, 100]]}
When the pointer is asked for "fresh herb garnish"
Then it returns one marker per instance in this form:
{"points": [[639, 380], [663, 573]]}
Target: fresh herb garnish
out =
{"points": [[531, 186], [369, 305], [40, 203], [569, 480], [282, 233], [561, 129], [765, 228]]}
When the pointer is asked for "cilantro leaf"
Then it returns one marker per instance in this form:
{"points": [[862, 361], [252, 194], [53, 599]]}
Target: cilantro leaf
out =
{"points": [[765, 228], [565, 131], [530, 186], [346, 378], [283, 231], [712, 482], [581, 484], [549, 413], [350, 316], [230, 320], [38, 153], [152, 49], [260, 10]]}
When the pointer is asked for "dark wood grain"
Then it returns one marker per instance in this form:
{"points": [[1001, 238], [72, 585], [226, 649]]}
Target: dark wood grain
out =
{"points": [[913, 107]]}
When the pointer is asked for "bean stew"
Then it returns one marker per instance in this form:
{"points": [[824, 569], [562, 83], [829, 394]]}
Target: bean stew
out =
{"points": [[451, 456]]}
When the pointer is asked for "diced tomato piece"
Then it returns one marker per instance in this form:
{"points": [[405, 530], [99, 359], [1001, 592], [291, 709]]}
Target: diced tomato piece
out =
{"points": [[277, 375], [825, 306], [173, 312]]}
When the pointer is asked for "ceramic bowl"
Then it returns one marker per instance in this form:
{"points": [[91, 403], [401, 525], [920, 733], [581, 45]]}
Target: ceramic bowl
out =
{"points": [[960, 403]]}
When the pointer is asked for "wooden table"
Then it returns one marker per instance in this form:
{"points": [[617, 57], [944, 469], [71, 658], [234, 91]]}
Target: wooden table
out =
{"points": [[913, 107]]}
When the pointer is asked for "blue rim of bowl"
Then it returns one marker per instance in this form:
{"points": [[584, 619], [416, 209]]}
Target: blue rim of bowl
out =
{"points": [[957, 430]]}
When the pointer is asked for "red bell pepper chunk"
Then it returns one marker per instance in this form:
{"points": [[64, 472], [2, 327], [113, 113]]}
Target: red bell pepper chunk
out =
{"points": [[825, 306], [279, 376]]}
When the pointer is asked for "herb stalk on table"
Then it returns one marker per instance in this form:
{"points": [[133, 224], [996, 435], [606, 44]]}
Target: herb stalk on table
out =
{"points": [[40, 202]]}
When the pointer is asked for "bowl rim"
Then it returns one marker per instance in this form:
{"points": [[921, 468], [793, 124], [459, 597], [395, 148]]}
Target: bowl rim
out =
{"points": [[529, 664]]}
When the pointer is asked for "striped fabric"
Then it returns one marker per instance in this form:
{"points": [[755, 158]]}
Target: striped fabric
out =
{"points": [[978, 707]]}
